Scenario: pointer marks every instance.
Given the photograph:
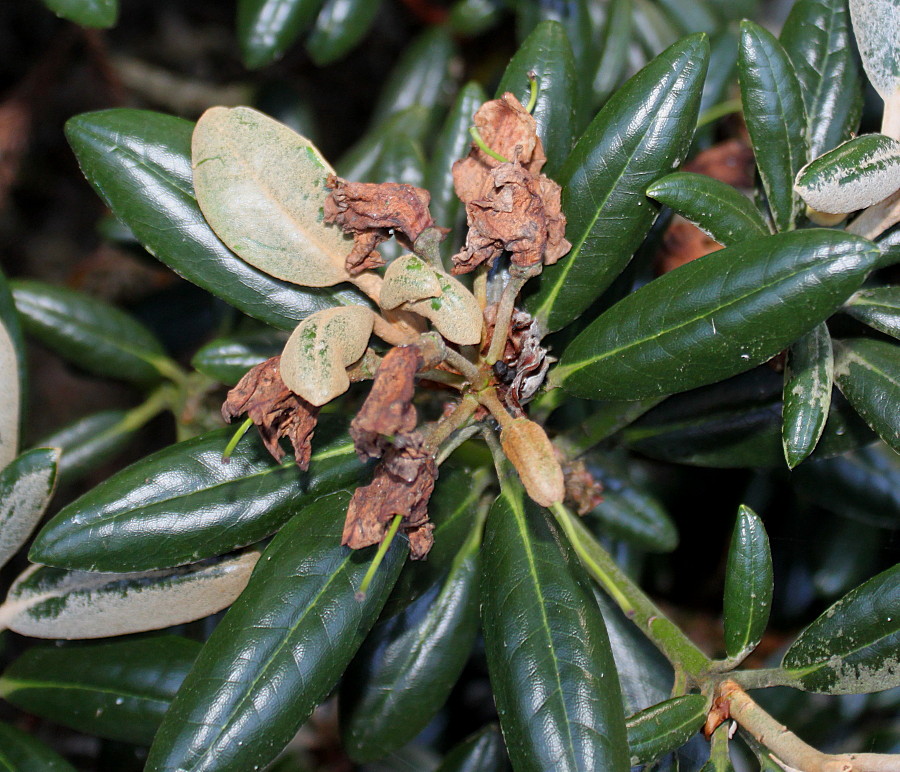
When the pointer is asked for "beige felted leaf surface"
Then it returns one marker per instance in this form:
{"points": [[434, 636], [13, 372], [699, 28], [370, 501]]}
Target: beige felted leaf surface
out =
{"points": [[261, 187], [876, 24], [856, 174], [53, 603], [408, 279], [455, 314], [9, 405], [26, 487], [315, 358]]}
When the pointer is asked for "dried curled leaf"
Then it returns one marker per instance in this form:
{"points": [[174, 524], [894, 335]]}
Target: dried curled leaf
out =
{"points": [[518, 213], [374, 506], [371, 211], [275, 409], [408, 279], [583, 491], [315, 358], [523, 365], [530, 451], [388, 414], [261, 187]]}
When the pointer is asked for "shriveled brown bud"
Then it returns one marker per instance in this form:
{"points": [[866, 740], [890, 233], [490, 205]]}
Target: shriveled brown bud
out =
{"points": [[530, 451]]}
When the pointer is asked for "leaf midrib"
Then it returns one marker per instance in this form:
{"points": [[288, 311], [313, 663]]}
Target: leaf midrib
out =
{"points": [[62, 686]]}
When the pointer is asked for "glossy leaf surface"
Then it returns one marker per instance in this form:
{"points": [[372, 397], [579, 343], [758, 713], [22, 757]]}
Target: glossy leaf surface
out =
{"points": [[296, 627], [118, 691], [854, 175], [407, 666], [183, 503], [808, 380], [662, 728], [87, 13], [548, 654], [481, 752], [716, 208], [776, 119], [339, 26], [819, 41], [868, 374], [20, 752], [723, 313], [642, 132], [748, 584], [261, 186], [86, 443], [358, 164], [852, 648], [26, 487], [53, 603], [266, 28], [228, 359], [88, 332], [879, 308], [614, 43], [547, 53], [140, 164]]}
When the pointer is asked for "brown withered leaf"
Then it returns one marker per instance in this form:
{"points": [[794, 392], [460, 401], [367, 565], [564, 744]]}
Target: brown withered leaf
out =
{"points": [[370, 211], [522, 368], [682, 242], [388, 413], [518, 213], [509, 130], [583, 492], [374, 506], [275, 409], [730, 161]]}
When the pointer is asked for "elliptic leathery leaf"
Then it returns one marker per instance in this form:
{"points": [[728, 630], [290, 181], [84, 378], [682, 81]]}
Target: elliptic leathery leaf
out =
{"points": [[876, 24], [9, 407], [321, 347], [261, 186], [408, 279], [857, 173], [455, 314], [26, 487]]}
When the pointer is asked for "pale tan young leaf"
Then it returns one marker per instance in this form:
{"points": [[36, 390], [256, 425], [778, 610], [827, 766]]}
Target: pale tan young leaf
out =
{"points": [[455, 314], [408, 279], [26, 487], [9, 406]]}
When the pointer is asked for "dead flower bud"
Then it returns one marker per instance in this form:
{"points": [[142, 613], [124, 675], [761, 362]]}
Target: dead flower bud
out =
{"points": [[370, 211], [389, 494], [530, 451], [275, 409], [583, 491]]}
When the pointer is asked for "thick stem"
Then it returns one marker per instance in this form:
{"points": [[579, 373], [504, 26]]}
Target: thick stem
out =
{"points": [[442, 429], [890, 121], [461, 436], [467, 369], [504, 315], [664, 634], [790, 749], [395, 332], [877, 218], [479, 285], [762, 678], [501, 415]]}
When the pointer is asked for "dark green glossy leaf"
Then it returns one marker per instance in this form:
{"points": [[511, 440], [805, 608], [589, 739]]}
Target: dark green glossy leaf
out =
{"points": [[548, 654], [736, 423], [481, 752], [818, 39], [422, 76], [452, 142], [868, 374], [614, 45], [748, 585], [640, 134], [228, 359], [183, 503], [713, 206], [89, 442], [546, 52], [852, 648], [662, 728], [140, 164], [87, 13], [808, 380], [267, 28], [879, 308], [339, 26], [295, 628], [722, 72], [775, 117], [20, 752], [842, 556], [716, 316], [90, 333], [118, 691], [26, 487], [452, 509], [399, 161], [358, 163], [627, 512], [691, 15], [52, 603], [472, 17], [652, 30], [405, 669]]}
